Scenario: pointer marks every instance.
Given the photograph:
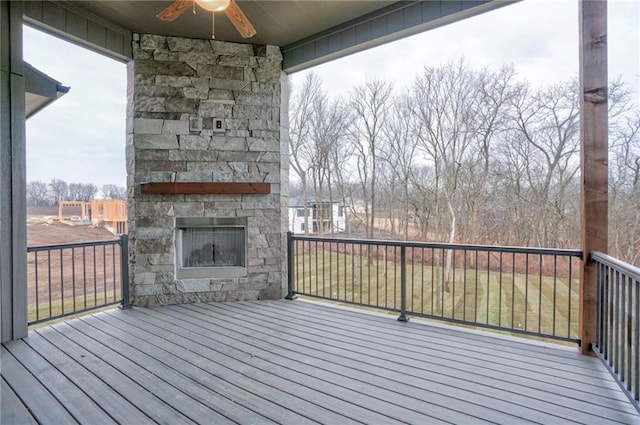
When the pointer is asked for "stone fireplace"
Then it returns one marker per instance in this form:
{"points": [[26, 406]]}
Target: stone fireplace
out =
{"points": [[207, 166]]}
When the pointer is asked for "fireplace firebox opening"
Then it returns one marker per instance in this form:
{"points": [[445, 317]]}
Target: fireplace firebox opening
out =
{"points": [[210, 247]]}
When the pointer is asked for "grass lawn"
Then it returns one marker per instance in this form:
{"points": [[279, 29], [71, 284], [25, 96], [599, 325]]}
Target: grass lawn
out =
{"points": [[58, 306], [508, 300]]}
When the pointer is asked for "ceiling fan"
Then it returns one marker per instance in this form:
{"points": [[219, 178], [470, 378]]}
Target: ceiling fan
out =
{"points": [[229, 7]]}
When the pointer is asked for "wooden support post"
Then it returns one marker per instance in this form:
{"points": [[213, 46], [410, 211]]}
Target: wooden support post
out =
{"points": [[593, 156]]}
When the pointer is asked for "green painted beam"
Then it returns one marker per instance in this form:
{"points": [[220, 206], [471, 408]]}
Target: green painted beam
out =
{"points": [[394, 22], [79, 26]]}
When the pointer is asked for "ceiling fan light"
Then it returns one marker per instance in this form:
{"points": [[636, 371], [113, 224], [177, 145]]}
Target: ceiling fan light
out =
{"points": [[213, 5]]}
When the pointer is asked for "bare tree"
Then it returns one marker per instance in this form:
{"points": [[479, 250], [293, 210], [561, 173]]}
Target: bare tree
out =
{"points": [[112, 191], [549, 122], [330, 120], [370, 103], [624, 190], [446, 104], [401, 154], [506, 220], [465, 155], [300, 126], [58, 190], [82, 191], [340, 156], [495, 91], [38, 194], [423, 198]]}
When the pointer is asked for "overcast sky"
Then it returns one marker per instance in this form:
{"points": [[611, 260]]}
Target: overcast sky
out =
{"points": [[81, 137], [539, 37]]}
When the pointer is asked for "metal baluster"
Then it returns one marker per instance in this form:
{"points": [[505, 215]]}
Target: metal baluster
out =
{"points": [[290, 267], [555, 289], [73, 276], [500, 290], [403, 285]]}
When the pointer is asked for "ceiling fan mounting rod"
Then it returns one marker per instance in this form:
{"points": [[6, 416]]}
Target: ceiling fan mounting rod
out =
{"points": [[213, 25]]}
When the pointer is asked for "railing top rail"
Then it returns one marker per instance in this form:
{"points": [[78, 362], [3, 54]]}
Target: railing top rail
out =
{"points": [[441, 245], [49, 247], [626, 268]]}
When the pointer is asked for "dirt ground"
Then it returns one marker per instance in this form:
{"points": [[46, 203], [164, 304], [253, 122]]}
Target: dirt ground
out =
{"points": [[61, 281], [46, 234]]}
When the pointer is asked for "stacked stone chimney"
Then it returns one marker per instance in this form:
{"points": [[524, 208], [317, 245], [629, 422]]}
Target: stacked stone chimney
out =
{"points": [[205, 111]]}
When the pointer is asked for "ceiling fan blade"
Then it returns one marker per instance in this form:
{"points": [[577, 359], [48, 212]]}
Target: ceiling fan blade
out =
{"points": [[239, 20], [174, 10]]}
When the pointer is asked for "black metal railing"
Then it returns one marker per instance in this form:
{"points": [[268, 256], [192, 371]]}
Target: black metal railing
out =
{"points": [[524, 290], [73, 278], [617, 328]]}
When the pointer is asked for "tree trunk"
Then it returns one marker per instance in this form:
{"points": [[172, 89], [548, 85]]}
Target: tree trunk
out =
{"points": [[449, 256]]}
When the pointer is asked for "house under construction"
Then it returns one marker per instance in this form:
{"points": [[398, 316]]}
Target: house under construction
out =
{"points": [[108, 213]]}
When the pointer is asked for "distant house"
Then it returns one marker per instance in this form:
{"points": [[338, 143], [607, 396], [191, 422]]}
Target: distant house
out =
{"points": [[333, 216], [108, 213]]}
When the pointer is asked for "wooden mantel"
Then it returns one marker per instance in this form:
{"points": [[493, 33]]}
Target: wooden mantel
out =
{"points": [[205, 188]]}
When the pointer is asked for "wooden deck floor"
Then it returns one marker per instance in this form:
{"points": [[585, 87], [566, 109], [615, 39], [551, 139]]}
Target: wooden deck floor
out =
{"points": [[294, 363]]}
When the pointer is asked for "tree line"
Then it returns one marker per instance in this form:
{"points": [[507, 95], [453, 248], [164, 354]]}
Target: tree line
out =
{"points": [[43, 194], [463, 155]]}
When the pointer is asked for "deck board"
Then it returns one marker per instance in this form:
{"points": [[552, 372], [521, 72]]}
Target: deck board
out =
{"points": [[234, 381], [107, 397], [476, 392], [38, 399], [522, 359], [464, 355], [162, 388], [386, 402], [288, 381], [154, 358], [79, 405], [344, 369], [234, 377], [474, 387], [436, 353], [12, 410], [117, 378], [262, 362]]}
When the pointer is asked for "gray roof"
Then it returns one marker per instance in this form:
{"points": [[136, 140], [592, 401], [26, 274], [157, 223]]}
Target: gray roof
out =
{"points": [[298, 202], [40, 90]]}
